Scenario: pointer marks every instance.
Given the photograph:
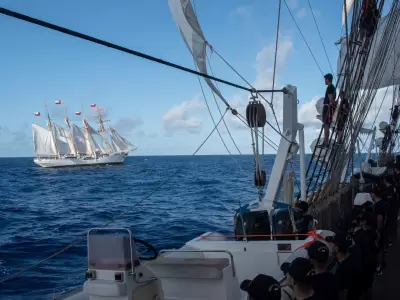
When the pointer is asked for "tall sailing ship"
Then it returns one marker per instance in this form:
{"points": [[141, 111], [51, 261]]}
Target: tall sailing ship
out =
{"points": [[56, 146]]}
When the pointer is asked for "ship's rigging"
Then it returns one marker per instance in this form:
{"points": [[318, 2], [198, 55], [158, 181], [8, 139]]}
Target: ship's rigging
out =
{"points": [[361, 90], [78, 142]]}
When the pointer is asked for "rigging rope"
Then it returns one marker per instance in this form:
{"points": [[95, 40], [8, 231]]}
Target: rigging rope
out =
{"points": [[320, 36], [41, 262], [117, 47], [216, 127], [297, 25], [362, 106]]}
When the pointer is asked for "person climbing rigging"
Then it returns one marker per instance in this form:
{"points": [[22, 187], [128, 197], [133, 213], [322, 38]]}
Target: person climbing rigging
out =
{"points": [[329, 108], [342, 117], [368, 23]]}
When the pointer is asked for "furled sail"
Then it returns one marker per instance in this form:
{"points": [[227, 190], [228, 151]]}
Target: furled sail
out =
{"points": [[64, 142], [81, 142], [391, 75], [43, 141], [189, 27]]}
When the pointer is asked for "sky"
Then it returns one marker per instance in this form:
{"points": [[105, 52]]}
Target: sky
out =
{"points": [[159, 109]]}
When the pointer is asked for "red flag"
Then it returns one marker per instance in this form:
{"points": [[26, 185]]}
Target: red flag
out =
{"points": [[37, 114], [92, 105], [58, 102], [78, 113]]}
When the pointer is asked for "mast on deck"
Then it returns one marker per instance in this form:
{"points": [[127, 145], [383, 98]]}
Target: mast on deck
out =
{"points": [[87, 133], [102, 129], [51, 129], [69, 131]]}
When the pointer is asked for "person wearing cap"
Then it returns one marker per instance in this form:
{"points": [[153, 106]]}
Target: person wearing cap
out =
{"points": [[262, 287], [324, 282], [389, 194], [328, 109], [379, 218], [342, 117], [305, 223], [368, 23], [396, 178], [349, 268], [366, 238], [299, 276]]}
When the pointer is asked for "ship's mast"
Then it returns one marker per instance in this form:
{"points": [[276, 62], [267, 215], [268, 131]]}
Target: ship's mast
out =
{"points": [[102, 129], [69, 131], [87, 132], [51, 129]]}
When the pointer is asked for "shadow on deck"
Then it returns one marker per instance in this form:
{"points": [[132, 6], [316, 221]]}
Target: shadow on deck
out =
{"points": [[385, 286]]}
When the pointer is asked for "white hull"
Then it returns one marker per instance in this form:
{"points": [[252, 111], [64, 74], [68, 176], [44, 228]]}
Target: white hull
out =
{"points": [[76, 162]]}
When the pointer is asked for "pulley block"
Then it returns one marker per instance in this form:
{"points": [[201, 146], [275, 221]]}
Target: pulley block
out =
{"points": [[256, 115], [260, 178]]}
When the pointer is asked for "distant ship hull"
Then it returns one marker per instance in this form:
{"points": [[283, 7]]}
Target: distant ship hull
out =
{"points": [[78, 162]]}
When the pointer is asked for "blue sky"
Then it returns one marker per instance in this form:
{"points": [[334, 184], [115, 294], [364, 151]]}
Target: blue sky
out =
{"points": [[159, 109]]}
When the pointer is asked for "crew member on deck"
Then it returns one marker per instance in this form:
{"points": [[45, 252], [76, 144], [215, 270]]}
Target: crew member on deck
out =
{"points": [[342, 117], [349, 269], [324, 282], [368, 22], [262, 287], [380, 213], [366, 239], [329, 108], [299, 276]]}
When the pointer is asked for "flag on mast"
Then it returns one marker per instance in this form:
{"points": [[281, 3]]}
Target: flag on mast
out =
{"points": [[92, 105], [37, 114], [58, 102], [78, 113]]}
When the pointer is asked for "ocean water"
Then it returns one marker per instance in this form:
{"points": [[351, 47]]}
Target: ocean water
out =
{"points": [[44, 210]]}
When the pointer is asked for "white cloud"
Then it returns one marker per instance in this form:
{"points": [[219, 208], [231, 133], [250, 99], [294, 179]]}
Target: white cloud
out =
{"points": [[307, 113], [301, 13], [242, 11], [180, 117]]}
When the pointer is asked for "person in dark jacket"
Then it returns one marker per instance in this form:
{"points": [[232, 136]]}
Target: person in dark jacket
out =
{"points": [[342, 116], [324, 282]]}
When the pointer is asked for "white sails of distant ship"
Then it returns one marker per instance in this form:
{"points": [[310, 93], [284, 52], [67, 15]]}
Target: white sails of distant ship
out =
{"points": [[78, 146]]}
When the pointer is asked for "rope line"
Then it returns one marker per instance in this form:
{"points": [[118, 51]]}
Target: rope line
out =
{"points": [[320, 36], [116, 47], [305, 41]]}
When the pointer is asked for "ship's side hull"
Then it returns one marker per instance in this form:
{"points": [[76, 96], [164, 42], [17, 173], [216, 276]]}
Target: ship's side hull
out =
{"points": [[79, 162]]}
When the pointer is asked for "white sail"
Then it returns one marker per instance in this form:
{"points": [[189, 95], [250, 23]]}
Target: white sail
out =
{"points": [[391, 75], [189, 27], [114, 147], [349, 7], [64, 142], [81, 142], [122, 143], [43, 141]]}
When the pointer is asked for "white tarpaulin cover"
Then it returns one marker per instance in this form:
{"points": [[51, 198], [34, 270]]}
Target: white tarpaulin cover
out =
{"points": [[189, 27], [391, 75], [43, 141]]}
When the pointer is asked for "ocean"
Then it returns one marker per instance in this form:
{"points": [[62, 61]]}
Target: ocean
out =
{"points": [[45, 210]]}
